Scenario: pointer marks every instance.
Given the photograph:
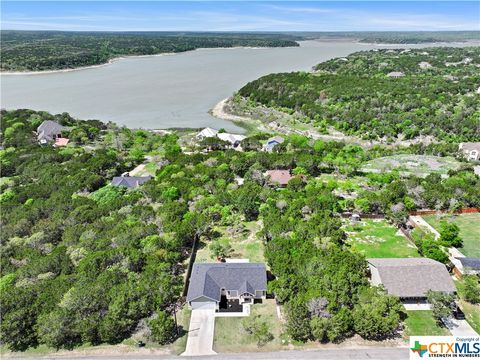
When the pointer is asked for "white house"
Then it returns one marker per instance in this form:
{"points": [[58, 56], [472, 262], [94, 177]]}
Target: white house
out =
{"points": [[470, 150], [206, 133]]}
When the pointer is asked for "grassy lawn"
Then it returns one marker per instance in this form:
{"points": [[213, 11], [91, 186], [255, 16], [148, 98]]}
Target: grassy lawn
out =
{"points": [[245, 244], [472, 314], [231, 337], [422, 323], [471, 311], [469, 225], [378, 239], [421, 165]]}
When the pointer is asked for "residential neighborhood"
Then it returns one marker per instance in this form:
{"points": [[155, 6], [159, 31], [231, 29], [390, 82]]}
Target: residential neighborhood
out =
{"points": [[330, 213]]}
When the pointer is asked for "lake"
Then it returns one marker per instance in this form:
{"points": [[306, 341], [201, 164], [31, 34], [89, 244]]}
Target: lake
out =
{"points": [[163, 91]]}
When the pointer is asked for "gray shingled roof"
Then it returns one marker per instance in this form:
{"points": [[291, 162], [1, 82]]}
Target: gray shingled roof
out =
{"points": [[412, 277], [48, 129], [470, 263], [130, 181], [208, 279], [277, 139]]}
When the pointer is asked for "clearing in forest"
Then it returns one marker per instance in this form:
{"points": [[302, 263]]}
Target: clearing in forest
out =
{"points": [[376, 238]]}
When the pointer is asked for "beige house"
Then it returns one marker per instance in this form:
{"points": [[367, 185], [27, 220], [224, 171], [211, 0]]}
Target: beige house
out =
{"points": [[470, 150]]}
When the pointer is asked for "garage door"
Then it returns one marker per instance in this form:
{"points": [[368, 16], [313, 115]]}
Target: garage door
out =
{"points": [[203, 305]]}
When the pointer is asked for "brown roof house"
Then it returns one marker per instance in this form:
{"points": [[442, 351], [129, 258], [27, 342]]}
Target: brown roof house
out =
{"points": [[470, 150], [410, 278], [278, 177]]}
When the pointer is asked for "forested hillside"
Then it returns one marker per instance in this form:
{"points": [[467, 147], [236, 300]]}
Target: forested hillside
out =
{"points": [[51, 50], [384, 94], [85, 262]]}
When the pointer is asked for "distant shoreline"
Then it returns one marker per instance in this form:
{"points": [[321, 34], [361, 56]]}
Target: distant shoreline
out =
{"points": [[123, 57]]}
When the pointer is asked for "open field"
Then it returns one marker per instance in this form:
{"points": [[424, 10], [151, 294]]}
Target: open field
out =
{"points": [[422, 323], [469, 225], [230, 335], [420, 165], [377, 239], [244, 242]]}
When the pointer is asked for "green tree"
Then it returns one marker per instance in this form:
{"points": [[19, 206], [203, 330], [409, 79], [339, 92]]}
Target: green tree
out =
{"points": [[450, 234], [162, 328], [442, 304], [471, 291]]}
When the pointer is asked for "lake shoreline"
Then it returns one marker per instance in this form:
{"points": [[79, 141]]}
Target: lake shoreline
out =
{"points": [[125, 57]]}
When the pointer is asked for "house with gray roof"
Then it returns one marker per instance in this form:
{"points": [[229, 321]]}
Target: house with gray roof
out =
{"points": [[130, 182], [49, 131], [466, 266], [410, 278], [272, 142], [226, 284]]}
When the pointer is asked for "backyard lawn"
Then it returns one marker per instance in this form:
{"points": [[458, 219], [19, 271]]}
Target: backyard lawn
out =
{"points": [[471, 311], [469, 225], [422, 323], [376, 238], [245, 244], [230, 335]]}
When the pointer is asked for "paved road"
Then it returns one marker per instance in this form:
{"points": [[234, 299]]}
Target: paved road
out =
{"points": [[336, 354], [200, 333]]}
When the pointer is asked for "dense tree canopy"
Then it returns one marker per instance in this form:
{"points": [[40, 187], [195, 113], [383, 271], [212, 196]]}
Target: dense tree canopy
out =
{"points": [[436, 96]]}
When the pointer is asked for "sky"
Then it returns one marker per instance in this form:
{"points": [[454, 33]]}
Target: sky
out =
{"points": [[240, 15]]}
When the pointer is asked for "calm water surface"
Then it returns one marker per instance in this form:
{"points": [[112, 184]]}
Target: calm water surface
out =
{"points": [[162, 91]]}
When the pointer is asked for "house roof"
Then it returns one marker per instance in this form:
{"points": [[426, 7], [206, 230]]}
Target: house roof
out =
{"points": [[411, 277], [130, 181], [231, 138], [469, 146], [48, 129], [276, 139], [281, 177], [61, 141], [207, 132], [208, 279], [470, 263]]}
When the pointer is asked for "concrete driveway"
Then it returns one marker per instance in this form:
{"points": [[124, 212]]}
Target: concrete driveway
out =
{"points": [[200, 332], [459, 327]]}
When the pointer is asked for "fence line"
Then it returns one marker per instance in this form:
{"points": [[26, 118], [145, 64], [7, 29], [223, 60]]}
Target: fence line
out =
{"points": [[433, 212]]}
